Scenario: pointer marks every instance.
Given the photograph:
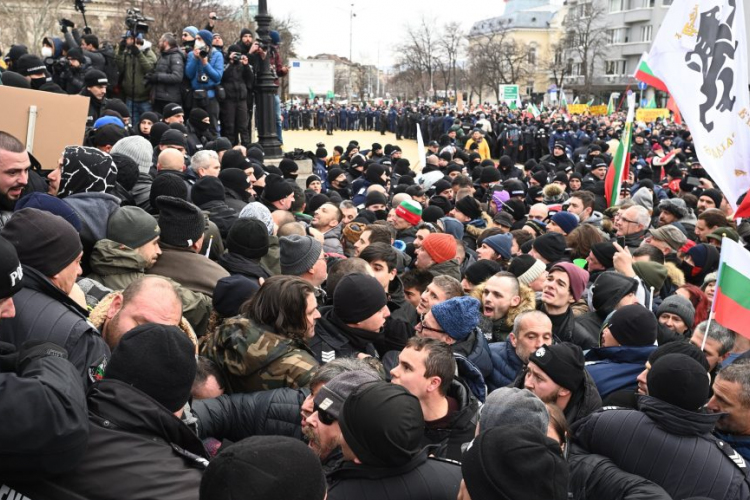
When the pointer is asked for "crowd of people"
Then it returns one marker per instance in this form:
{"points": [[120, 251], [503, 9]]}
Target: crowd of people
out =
{"points": [[180, 318]]}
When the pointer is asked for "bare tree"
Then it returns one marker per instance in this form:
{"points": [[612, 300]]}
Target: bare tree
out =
{"points": [[586, 39], [498, 59], [556, 66], [28, 22], [449, 50], [420, 51]]}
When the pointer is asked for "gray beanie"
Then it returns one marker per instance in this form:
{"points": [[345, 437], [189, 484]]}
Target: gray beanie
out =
{"points": [[679, 305], [670, 235], [138, 148], [132, 227], [331, 397], [513, 406], [298, 254], [644, 198], [675, 206], [257, 210]]}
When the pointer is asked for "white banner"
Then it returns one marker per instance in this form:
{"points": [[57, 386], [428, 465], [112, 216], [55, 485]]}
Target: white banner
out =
{"points": [[422, 150], [700, 53]]}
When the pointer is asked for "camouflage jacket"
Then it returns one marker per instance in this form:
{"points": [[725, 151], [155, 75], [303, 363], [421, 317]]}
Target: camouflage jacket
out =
{"points": [[252, 358]]}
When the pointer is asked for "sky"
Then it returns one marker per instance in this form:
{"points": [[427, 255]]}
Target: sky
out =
{"points": [[378, 27]]}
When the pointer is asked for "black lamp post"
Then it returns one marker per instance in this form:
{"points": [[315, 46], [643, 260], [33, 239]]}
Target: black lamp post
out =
{"points": [[266, 89]]}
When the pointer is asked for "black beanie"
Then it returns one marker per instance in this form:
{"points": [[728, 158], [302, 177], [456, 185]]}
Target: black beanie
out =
{"points": [[248, 237], [686, 348], [489, 174], [234, 159], [432, 214], [11, 272], [127, 171], [357, 297], [551, 246], [714, 194], [288, 167], [231, 292], [562, 362], [265, 468], [197, 115], [633, 325], [158, 360], [375, 198], [514, 462], [181, 222], [276, 188], [604, 253], [469, 206], [44, 241], [440, 186], [316, 202], [172, 137], [515, 208], [679, 380], [442, 202], [167, 183], [482, 270], [207, 189], [382, 424], [235, 179], [374, 174]]}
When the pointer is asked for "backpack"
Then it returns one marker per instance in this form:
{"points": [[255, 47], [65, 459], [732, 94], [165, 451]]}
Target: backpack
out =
{"points": [[110, 65]]}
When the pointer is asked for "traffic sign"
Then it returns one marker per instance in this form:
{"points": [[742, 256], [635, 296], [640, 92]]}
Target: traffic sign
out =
{"points": [[642, 85]]}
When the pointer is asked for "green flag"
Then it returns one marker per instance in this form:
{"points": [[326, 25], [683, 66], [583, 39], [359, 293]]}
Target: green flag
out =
{"points": [[312, 94], [651, 104], [541, 107], [330, 94], [610, 106], [591, 102]]}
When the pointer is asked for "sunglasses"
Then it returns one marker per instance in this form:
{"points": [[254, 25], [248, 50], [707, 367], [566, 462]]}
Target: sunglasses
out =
{"points": [[324, 417]]}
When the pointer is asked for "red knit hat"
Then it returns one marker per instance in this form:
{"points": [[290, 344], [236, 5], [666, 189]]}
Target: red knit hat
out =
{"points": [[410, 211], [440, 247]]}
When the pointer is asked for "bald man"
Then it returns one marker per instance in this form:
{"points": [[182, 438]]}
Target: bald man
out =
{"points": [[171, 159]]}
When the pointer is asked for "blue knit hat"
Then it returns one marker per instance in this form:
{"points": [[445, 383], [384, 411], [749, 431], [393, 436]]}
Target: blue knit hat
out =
{"points": [[206, 36], [51, 204], [192, 30], [457, 316], [501, 244], [566, 220]]}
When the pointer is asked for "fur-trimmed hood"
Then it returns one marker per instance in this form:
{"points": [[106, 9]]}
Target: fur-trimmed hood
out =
{"points": [[528, 302]]}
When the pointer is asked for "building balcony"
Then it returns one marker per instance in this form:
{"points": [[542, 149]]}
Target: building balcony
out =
{"points": [[637, 15], [635, 49]]}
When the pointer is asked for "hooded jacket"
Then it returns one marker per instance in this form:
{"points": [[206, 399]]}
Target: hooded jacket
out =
{"points": [[448, 268], [191, 270], [332, 240], [446, 439], [116, 266], [498, 330], [668, 445], [220, 214], [253, 358], [616, 368], [133, 68]]}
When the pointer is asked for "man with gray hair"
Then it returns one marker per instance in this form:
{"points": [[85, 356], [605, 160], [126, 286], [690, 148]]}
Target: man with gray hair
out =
{"points": [[719, 343], [632, 224], [531, 330], [731, 398], [205, 163]]}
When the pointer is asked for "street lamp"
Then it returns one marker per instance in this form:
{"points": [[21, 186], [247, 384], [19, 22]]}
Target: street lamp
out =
{"points": [[266, 90]]}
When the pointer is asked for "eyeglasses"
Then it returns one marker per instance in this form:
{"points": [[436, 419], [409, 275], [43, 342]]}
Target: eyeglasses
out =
{"points": [[421, 326], [324, 417], [622, 218]]}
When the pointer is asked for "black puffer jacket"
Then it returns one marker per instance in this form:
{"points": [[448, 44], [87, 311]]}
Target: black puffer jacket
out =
{"points": [[220, 214], [595, 476], [44, 312], [236, 80], [168, 74], [667, 445], [460, 429], [275, 412], [137, 449], [565, 328], [333, 339]]}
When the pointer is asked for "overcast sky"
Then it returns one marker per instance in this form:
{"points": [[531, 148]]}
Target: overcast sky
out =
{"points": [[378, 27]]}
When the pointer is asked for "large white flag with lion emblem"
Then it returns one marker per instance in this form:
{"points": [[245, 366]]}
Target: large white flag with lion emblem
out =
{"points": [[700, 53]]}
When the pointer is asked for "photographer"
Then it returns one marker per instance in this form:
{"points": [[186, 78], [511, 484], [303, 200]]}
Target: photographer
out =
{"points": [[72, 77], [204, 69], [238, 78], [88, 43], [134, 59], [279, 71], [249, 47], [168, 73]]}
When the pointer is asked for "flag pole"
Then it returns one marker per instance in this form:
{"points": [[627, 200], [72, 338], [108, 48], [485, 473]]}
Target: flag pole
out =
{"points": [[713, 303]]}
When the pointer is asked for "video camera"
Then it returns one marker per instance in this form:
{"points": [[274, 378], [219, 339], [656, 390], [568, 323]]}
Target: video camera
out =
{"points": [[136, 22], [65, 24]]}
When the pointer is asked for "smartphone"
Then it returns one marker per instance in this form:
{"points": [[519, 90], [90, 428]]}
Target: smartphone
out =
{"points": [[621, 241], [693, 181]]}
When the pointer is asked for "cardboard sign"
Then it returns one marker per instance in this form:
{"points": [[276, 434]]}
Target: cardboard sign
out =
{"points": [[577, 109], [650, 115], [60, 121]]}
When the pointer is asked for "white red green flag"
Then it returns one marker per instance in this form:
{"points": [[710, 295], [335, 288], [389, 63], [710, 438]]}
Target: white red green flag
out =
{"points": [[620, 166], [731, 304]]}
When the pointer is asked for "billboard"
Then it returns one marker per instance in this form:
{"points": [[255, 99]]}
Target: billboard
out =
{"points": [[508, 93], [311, 75]]}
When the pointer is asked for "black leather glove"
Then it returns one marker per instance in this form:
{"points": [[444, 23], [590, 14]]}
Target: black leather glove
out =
{"points": [[151, 77], [135, 50], [35, 349]]}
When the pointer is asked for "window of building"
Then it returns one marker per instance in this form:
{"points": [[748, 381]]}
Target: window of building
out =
{"points": [[569, 67], [615, 67], [646, 32], [666, 2], [577, 69], [617, 35], [529, 88], [615, 5], [558, 57], [532, 55]]}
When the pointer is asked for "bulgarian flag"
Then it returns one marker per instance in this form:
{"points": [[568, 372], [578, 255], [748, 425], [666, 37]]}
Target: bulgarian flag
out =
{"points": [[731, 305], [532, 110], [610, 106], [620, 166], [644, 74]]}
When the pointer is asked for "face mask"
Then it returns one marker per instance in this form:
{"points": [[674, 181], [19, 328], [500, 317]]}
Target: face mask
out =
{"points": [[36, 83], [199, 44], [343, 184], [292, 176], [381, 214], [47, 52]]}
